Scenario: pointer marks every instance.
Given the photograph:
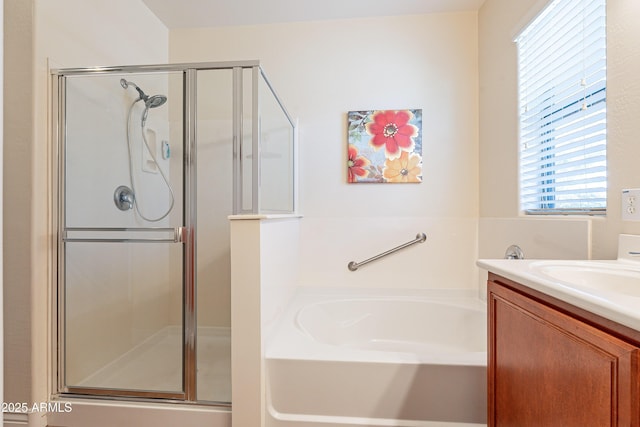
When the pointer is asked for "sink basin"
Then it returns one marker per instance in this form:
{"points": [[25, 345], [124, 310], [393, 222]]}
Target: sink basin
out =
{"points": [[611, 277]]}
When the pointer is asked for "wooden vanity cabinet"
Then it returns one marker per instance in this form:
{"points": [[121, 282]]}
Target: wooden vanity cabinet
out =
{"points": [[553, 364]]}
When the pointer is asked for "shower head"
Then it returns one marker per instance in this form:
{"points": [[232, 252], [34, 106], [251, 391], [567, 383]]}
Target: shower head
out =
{"points": [[155, 101], [150, 101]]}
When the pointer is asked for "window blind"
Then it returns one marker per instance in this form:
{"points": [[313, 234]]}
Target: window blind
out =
{"points": [[562, 101]]}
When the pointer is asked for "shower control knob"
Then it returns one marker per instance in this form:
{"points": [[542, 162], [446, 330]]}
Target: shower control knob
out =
{"points": [[123, 198]]}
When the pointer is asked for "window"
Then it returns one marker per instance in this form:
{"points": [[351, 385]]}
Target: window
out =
{"points": [[562, 94]]}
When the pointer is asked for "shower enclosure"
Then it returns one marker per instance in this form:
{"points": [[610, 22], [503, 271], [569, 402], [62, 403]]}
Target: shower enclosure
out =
{"points": [[150, 162]]}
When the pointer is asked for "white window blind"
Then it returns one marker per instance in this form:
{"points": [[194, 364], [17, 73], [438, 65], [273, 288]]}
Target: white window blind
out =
{"points": [[562, 94]]}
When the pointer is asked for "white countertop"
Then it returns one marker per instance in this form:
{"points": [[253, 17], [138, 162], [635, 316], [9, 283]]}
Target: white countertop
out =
{"points": [[620, 306]]}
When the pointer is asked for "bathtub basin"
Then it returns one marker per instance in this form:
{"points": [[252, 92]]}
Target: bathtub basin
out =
{"points": [[373, 358], [394, 324]]}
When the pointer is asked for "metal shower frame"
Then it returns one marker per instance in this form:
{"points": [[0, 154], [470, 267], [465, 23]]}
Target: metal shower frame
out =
{"points": [[184, 234]]}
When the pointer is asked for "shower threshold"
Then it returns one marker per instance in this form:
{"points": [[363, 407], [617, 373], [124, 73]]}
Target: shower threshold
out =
{"points": [[144, 367]]}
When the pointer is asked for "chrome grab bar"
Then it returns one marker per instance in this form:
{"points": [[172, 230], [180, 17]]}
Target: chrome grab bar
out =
{"points": [[420, 238]]}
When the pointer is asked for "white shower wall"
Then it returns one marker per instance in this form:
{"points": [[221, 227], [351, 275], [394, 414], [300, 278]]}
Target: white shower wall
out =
{"points": [[96, 152]]}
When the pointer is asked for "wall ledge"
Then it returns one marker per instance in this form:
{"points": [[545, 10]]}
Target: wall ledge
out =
{"points": [[262, 216]]}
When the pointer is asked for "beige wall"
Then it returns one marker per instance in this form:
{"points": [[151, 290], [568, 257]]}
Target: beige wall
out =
{"points": [[499, 22], [1, 244], [324, 69], [18, 140], [68, 33]]}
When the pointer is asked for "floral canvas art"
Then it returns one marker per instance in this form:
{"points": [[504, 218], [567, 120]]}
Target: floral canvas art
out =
{"points": [[384, 146]]}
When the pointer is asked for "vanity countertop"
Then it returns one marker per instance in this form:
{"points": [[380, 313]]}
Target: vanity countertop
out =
{"points": [[609, 288]]}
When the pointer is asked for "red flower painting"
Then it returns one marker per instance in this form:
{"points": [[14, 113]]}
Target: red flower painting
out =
{"points": [[384, 146], [391, 129]]}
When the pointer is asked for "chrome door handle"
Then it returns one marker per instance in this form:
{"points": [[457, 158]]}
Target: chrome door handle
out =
{"points": [[126, 235]]}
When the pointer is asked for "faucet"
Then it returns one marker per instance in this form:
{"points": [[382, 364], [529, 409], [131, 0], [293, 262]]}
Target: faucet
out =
{"points": [[514, 252]]}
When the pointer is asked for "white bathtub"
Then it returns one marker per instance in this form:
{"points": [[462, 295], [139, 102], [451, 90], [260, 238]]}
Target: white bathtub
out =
{"points": [[378, 358]]}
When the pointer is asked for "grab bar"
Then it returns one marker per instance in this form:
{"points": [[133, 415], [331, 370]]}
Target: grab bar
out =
{"points": [[420, 238]]}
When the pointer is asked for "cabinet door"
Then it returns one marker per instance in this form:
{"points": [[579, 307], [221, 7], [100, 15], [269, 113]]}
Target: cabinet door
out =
{"points": [[549, 369]]}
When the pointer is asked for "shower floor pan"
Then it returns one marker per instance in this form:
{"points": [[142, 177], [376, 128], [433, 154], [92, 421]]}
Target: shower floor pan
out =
{"points": [[144, 367]]}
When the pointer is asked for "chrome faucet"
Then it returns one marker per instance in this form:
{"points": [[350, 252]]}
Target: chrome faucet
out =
{"points": [[514, 252]]}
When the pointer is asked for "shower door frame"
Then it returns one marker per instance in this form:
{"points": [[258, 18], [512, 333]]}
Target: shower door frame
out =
{"points": [[185, 234]]}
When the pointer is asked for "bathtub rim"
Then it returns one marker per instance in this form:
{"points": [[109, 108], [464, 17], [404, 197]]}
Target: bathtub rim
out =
{"points": [[290, 343]]}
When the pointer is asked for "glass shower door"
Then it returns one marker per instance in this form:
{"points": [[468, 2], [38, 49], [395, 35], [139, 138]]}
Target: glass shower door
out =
{"points": [[124, 239], [133, 143]]}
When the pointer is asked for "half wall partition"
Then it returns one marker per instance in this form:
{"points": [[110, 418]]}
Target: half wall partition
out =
{"points": [[150, 162]]}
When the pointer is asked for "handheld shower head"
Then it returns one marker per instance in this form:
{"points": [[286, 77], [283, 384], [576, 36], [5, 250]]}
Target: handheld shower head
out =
{"points": [[155, 101], [150, 101]]}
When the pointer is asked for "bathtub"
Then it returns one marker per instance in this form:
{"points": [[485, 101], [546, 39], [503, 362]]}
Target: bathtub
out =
{"points": [[355, 358]]}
